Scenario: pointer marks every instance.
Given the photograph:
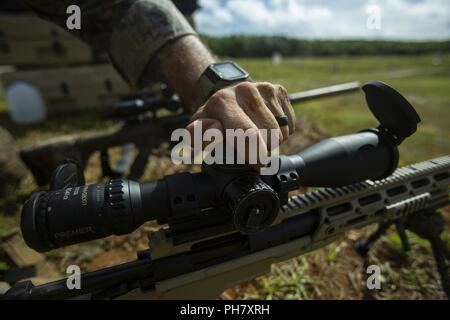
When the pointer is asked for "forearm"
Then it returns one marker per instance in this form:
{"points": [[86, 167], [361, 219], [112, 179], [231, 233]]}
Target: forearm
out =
{"points": [[180, 64], [142, 37]]}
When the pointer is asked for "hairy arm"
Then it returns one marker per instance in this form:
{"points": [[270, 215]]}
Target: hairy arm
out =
{"points": [[145, 39], [181, 64], [149, 39]]}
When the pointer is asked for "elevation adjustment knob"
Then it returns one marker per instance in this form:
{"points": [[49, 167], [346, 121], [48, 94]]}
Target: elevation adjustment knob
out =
{"points": [[252, 203]]}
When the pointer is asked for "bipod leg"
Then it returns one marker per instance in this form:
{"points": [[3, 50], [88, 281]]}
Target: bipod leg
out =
{"points": [[429, 225], [363, 246]]}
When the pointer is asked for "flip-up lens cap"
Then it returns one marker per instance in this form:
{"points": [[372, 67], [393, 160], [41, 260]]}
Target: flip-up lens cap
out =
{"points": [[391, 109], [67, 174]]}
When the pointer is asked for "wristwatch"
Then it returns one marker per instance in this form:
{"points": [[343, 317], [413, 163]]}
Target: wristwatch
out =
{"points": [[217, 76]]}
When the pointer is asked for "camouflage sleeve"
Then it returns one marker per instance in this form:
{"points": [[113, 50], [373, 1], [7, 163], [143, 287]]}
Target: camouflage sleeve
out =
{"points": [[132, 31]]}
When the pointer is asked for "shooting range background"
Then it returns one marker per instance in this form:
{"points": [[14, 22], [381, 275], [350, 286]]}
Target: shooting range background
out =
{"points": [[332, 272]]}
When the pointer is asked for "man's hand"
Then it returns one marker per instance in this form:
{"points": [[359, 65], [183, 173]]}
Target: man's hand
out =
{"points": [[248, 105]]}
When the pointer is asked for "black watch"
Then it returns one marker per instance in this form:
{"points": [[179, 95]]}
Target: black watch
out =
{"points": [[217, 76]]}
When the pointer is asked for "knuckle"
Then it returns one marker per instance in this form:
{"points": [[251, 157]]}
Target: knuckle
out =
{"points": [[283, 97], [249, 93], [269, 96], [245, 86], [267, 87], [282, 91]]}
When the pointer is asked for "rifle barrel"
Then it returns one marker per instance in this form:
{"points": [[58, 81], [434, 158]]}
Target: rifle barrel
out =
{"points": [[324, 92]]}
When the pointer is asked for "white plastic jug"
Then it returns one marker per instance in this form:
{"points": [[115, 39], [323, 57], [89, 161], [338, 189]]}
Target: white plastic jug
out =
{"points": [[25, 103]]}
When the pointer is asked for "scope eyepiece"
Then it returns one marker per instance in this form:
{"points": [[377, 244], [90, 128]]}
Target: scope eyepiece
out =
{"points": [[33, 229]]}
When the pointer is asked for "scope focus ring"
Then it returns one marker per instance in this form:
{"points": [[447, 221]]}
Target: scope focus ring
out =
{"points": [[117, 205], [34, 222], [253, 204], [42, 220]]}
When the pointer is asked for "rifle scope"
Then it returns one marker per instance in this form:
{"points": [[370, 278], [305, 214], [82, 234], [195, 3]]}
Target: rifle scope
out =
{"points": [[238, 196]]}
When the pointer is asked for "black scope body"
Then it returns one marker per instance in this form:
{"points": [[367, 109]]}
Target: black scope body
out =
{"points": [[72, 215]]}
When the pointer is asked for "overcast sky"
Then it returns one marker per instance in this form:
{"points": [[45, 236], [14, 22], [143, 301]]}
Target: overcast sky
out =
{"points": [[391, 19]]}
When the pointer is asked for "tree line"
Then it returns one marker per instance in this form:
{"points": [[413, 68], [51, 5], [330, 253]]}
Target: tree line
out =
{"points": [[266, 46]]}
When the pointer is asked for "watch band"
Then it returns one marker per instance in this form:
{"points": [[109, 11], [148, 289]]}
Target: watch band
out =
{"points": [[200, 95]]}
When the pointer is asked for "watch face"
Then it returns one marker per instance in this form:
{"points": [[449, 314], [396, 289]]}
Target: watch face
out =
{"points": [[229, 71]]}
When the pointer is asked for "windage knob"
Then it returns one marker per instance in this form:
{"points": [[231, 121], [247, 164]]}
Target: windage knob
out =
{"points": [[252, 203]]}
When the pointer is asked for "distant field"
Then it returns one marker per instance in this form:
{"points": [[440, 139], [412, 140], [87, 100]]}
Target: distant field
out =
{"points": [[424, 80], [335, 271]]}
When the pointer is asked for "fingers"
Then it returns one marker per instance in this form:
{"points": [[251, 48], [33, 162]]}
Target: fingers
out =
{"points": [[269, 94], [222, 106], [250, 107], [250, 100], [283, 100]]}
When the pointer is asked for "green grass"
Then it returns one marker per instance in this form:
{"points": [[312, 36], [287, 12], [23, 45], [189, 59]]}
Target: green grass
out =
{"points": [[424, 84]]}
